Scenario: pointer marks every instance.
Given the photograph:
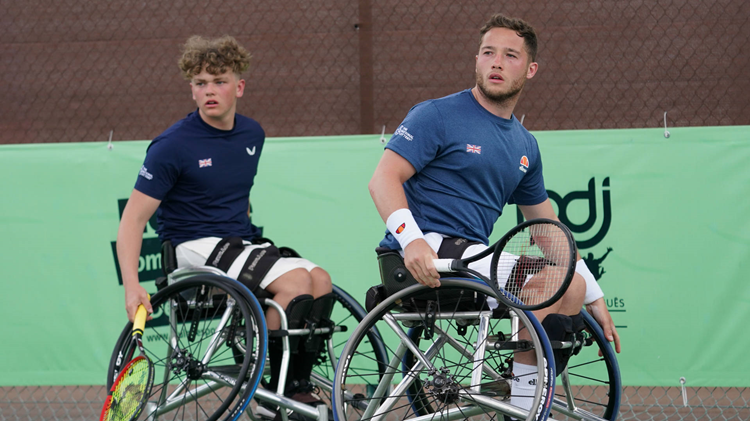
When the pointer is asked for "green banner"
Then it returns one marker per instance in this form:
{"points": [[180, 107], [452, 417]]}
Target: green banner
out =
{"points": [[661, 222]]}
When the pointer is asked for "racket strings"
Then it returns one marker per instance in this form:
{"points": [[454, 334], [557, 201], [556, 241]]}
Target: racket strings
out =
{"points": [[130, 391], [534, 262]]}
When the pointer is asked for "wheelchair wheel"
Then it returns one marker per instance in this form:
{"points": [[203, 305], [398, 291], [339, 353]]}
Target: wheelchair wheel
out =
{"points": [[592, 382], [452, 358], [198, 324], [347, 313]]}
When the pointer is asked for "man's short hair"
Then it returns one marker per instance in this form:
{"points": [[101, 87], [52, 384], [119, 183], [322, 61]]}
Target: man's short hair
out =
{"points": [[216, 56], [522, 28]]}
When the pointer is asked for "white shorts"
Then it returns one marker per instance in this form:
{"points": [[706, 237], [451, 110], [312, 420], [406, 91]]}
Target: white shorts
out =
{"points": [[196, 252]]}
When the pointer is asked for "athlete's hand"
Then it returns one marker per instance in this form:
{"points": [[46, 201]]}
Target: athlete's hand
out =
{"points": [[135, 296], [598, 309], [418, 257]]}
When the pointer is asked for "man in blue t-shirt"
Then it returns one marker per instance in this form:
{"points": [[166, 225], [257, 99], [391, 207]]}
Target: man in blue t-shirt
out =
{"points": [[197, 176], [453, 164]]}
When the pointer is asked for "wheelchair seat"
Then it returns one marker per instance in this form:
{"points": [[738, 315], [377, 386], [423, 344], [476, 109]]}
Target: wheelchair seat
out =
{"points": [[395, 277]]}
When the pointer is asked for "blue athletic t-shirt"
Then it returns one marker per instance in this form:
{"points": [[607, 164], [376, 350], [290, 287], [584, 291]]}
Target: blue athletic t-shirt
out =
{"points": [[469, 163], [203, 177]]}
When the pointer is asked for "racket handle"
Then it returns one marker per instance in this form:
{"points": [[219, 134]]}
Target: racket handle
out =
{"points": [[139, 321], [443, 265]]}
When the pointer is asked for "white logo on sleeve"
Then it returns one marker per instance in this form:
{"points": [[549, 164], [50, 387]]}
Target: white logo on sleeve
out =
{"points": [[403, 131], [250, 152], [145, 174]]}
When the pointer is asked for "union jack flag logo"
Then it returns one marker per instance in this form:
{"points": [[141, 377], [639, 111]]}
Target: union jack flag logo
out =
{"points": [[204, 163], [473, 148]]}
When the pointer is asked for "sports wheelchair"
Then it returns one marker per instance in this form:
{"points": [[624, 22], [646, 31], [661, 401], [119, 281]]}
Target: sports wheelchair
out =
{"points": [[208, 342], [451, 352]]}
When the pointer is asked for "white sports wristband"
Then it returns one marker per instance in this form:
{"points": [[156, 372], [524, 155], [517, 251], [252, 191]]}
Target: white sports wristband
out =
{"points": [[403, 227], [593, 290]]}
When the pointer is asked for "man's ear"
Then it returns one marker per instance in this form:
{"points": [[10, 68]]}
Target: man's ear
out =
{"points": [[533, 67], [240, 88]]}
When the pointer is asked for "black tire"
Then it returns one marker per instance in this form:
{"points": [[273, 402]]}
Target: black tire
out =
{"points": [[219, 389], [596, 384], [347, 313]]}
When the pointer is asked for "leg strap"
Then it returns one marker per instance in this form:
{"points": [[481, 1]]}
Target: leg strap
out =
{"points": [[296, 311], [559, 328], [312, 350], [225, 252], [257, 265], [320, 316]]}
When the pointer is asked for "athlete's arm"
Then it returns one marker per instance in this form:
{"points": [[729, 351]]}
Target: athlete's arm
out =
{"points": [[597, 308], [138, 211], [542, 210], [387, 191]]}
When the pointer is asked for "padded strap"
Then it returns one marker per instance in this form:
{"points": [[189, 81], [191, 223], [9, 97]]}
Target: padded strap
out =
{"points": [[168, 258], [559, 328], [320, 316], [257, 266], [225, 253], [296, 312], [454, 247]]}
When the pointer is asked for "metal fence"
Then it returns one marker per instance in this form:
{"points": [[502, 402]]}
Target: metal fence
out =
{"points": [[74, 71], [32, 403]]}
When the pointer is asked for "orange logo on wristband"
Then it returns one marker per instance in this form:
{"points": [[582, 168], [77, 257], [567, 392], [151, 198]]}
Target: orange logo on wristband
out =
{"points": [[400, 229]]}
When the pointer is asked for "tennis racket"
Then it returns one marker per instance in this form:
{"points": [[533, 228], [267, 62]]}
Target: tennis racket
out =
{"points": [[534, 263], [132, 388]]}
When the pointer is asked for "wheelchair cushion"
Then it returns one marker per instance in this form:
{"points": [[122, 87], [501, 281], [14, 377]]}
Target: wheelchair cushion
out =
{"points": [[395, 277]]}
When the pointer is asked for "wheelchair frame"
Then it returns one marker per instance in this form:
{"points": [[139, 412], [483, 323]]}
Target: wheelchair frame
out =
{"points": [[385, 396], [238, 296]]}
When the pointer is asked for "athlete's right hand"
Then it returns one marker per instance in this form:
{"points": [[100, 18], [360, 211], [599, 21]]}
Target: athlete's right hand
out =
{"points": [[418, 256], [135, 296]]}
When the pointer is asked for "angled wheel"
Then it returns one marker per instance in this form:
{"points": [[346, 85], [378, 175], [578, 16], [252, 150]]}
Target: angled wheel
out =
{"points": [[198, 326], [451, 358], [346, 315], [590, 387]]}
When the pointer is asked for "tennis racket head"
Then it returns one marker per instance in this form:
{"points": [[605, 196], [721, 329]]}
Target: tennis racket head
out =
{"points": [[130, 391], [534, 262], [132, 387]]}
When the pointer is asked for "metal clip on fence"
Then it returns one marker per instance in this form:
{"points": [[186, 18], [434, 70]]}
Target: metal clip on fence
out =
{"points": [[109, 143], [684, 392]]}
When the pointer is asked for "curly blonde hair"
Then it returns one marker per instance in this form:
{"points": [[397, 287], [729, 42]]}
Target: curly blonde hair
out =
{"points": [[216, 56]]}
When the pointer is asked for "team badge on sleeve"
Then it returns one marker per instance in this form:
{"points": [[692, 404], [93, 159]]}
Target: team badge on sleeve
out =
{"points": [[204, 163], [524, 163], [473, 148]]}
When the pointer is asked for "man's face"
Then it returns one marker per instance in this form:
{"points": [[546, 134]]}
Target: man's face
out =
{"points": [[216, 96], [503, 65]]}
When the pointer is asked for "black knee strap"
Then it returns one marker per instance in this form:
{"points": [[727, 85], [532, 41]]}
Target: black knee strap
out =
{"points": [[559, 328], [296, 312], [320, 316]]}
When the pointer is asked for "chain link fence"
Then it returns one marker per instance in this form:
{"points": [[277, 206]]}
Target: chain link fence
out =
{"points": [[74, 71], [79, 71]]}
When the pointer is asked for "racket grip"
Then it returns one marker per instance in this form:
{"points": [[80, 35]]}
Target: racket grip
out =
{"points": [[139, 321], [443, 265]]}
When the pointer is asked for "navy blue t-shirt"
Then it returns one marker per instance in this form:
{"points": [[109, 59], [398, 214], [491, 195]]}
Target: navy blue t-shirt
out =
{"points": [[469, 163], [203, 177]]}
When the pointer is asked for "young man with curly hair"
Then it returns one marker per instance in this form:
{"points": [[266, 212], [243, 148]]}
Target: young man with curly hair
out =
{"points": [[197, 176]]}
